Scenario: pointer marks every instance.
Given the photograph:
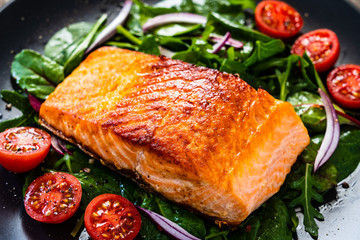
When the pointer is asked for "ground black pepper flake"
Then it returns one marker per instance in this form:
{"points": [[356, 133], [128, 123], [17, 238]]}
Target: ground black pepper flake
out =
{"points": [[345, 185]]}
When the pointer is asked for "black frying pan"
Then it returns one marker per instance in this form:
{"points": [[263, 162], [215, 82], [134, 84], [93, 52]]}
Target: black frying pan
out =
{"points": [[30, 23]]}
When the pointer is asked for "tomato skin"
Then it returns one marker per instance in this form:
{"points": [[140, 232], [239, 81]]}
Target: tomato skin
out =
{"points": [[53, 197], [321, 45], [112, 215], [344, 85], [23, 148], [277, 19]]}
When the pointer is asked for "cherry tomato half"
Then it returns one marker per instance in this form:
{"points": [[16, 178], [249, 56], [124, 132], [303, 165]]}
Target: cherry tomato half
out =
{"points": [[53, 197], [277, 19], [344, 85], [23, 148], [110, 216], [321, 45]]}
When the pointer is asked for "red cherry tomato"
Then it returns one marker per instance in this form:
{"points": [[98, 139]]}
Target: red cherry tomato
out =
{"points": [[321, 45], [53, 197], [110, 216], [23, 148], [277, 19], [344, 85]]}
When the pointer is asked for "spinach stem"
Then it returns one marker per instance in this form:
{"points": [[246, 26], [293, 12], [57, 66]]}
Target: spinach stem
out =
{"points": [[120, 29], [78, 226]]}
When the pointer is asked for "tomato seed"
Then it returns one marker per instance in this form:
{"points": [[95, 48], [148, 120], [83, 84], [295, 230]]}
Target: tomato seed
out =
{"points": [[48, 213], [105, 235]]}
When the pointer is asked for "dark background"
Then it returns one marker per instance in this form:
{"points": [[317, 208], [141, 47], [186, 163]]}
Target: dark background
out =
{"points": [[29, 24]]}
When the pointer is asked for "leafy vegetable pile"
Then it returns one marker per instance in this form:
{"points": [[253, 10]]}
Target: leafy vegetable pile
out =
{"points": [[260, 60]]}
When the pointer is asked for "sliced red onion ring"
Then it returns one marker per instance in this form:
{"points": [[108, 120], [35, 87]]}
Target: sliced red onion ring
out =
{"points": [[110, 29], [221, 43], [332, 133], [62, 145], [55, 144], [230, 42], [34, 102], [170, 228], [173, 18]]}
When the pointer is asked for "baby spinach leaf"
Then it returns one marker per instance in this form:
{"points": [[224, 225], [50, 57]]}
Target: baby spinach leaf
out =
{"points": [[264, 50], [63, 43], [151, 232], [270, 222], [21, 103], [187, 220], [325, 178], [309, 107], [345, 158], [150, 46], [77, 54], [173, 43], [94, 184], [177, 29], [306, 185], [238, 30], [312, 116], [36, 73]]}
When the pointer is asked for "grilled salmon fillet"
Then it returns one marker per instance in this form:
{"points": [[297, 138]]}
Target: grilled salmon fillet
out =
{"points": [[199, 137]]}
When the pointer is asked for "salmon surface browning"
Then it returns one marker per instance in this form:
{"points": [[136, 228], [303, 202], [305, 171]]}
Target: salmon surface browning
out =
{"points": [[199, 137]]}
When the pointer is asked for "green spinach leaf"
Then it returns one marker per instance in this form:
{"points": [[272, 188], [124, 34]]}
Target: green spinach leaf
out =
{"points": [[63, 43], [77, 55], [270, 222], [150, 46], [36, 73], [238, 30], [264, 50], [21, 103]]}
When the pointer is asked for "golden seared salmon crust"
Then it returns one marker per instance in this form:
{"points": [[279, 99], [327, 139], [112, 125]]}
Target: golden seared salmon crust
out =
{"points": [[199, 137]]}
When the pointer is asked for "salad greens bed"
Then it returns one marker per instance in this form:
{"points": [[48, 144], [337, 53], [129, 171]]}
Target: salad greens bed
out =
{"points": [[261, 61]]}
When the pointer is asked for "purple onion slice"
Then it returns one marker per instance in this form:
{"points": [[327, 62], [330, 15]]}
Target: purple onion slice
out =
{"points": [[230, 42], [221, 43], [332, 133], [55, 144], [62, 145], [173, 18], [110, 29], [34, 102], [170, 228]]}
